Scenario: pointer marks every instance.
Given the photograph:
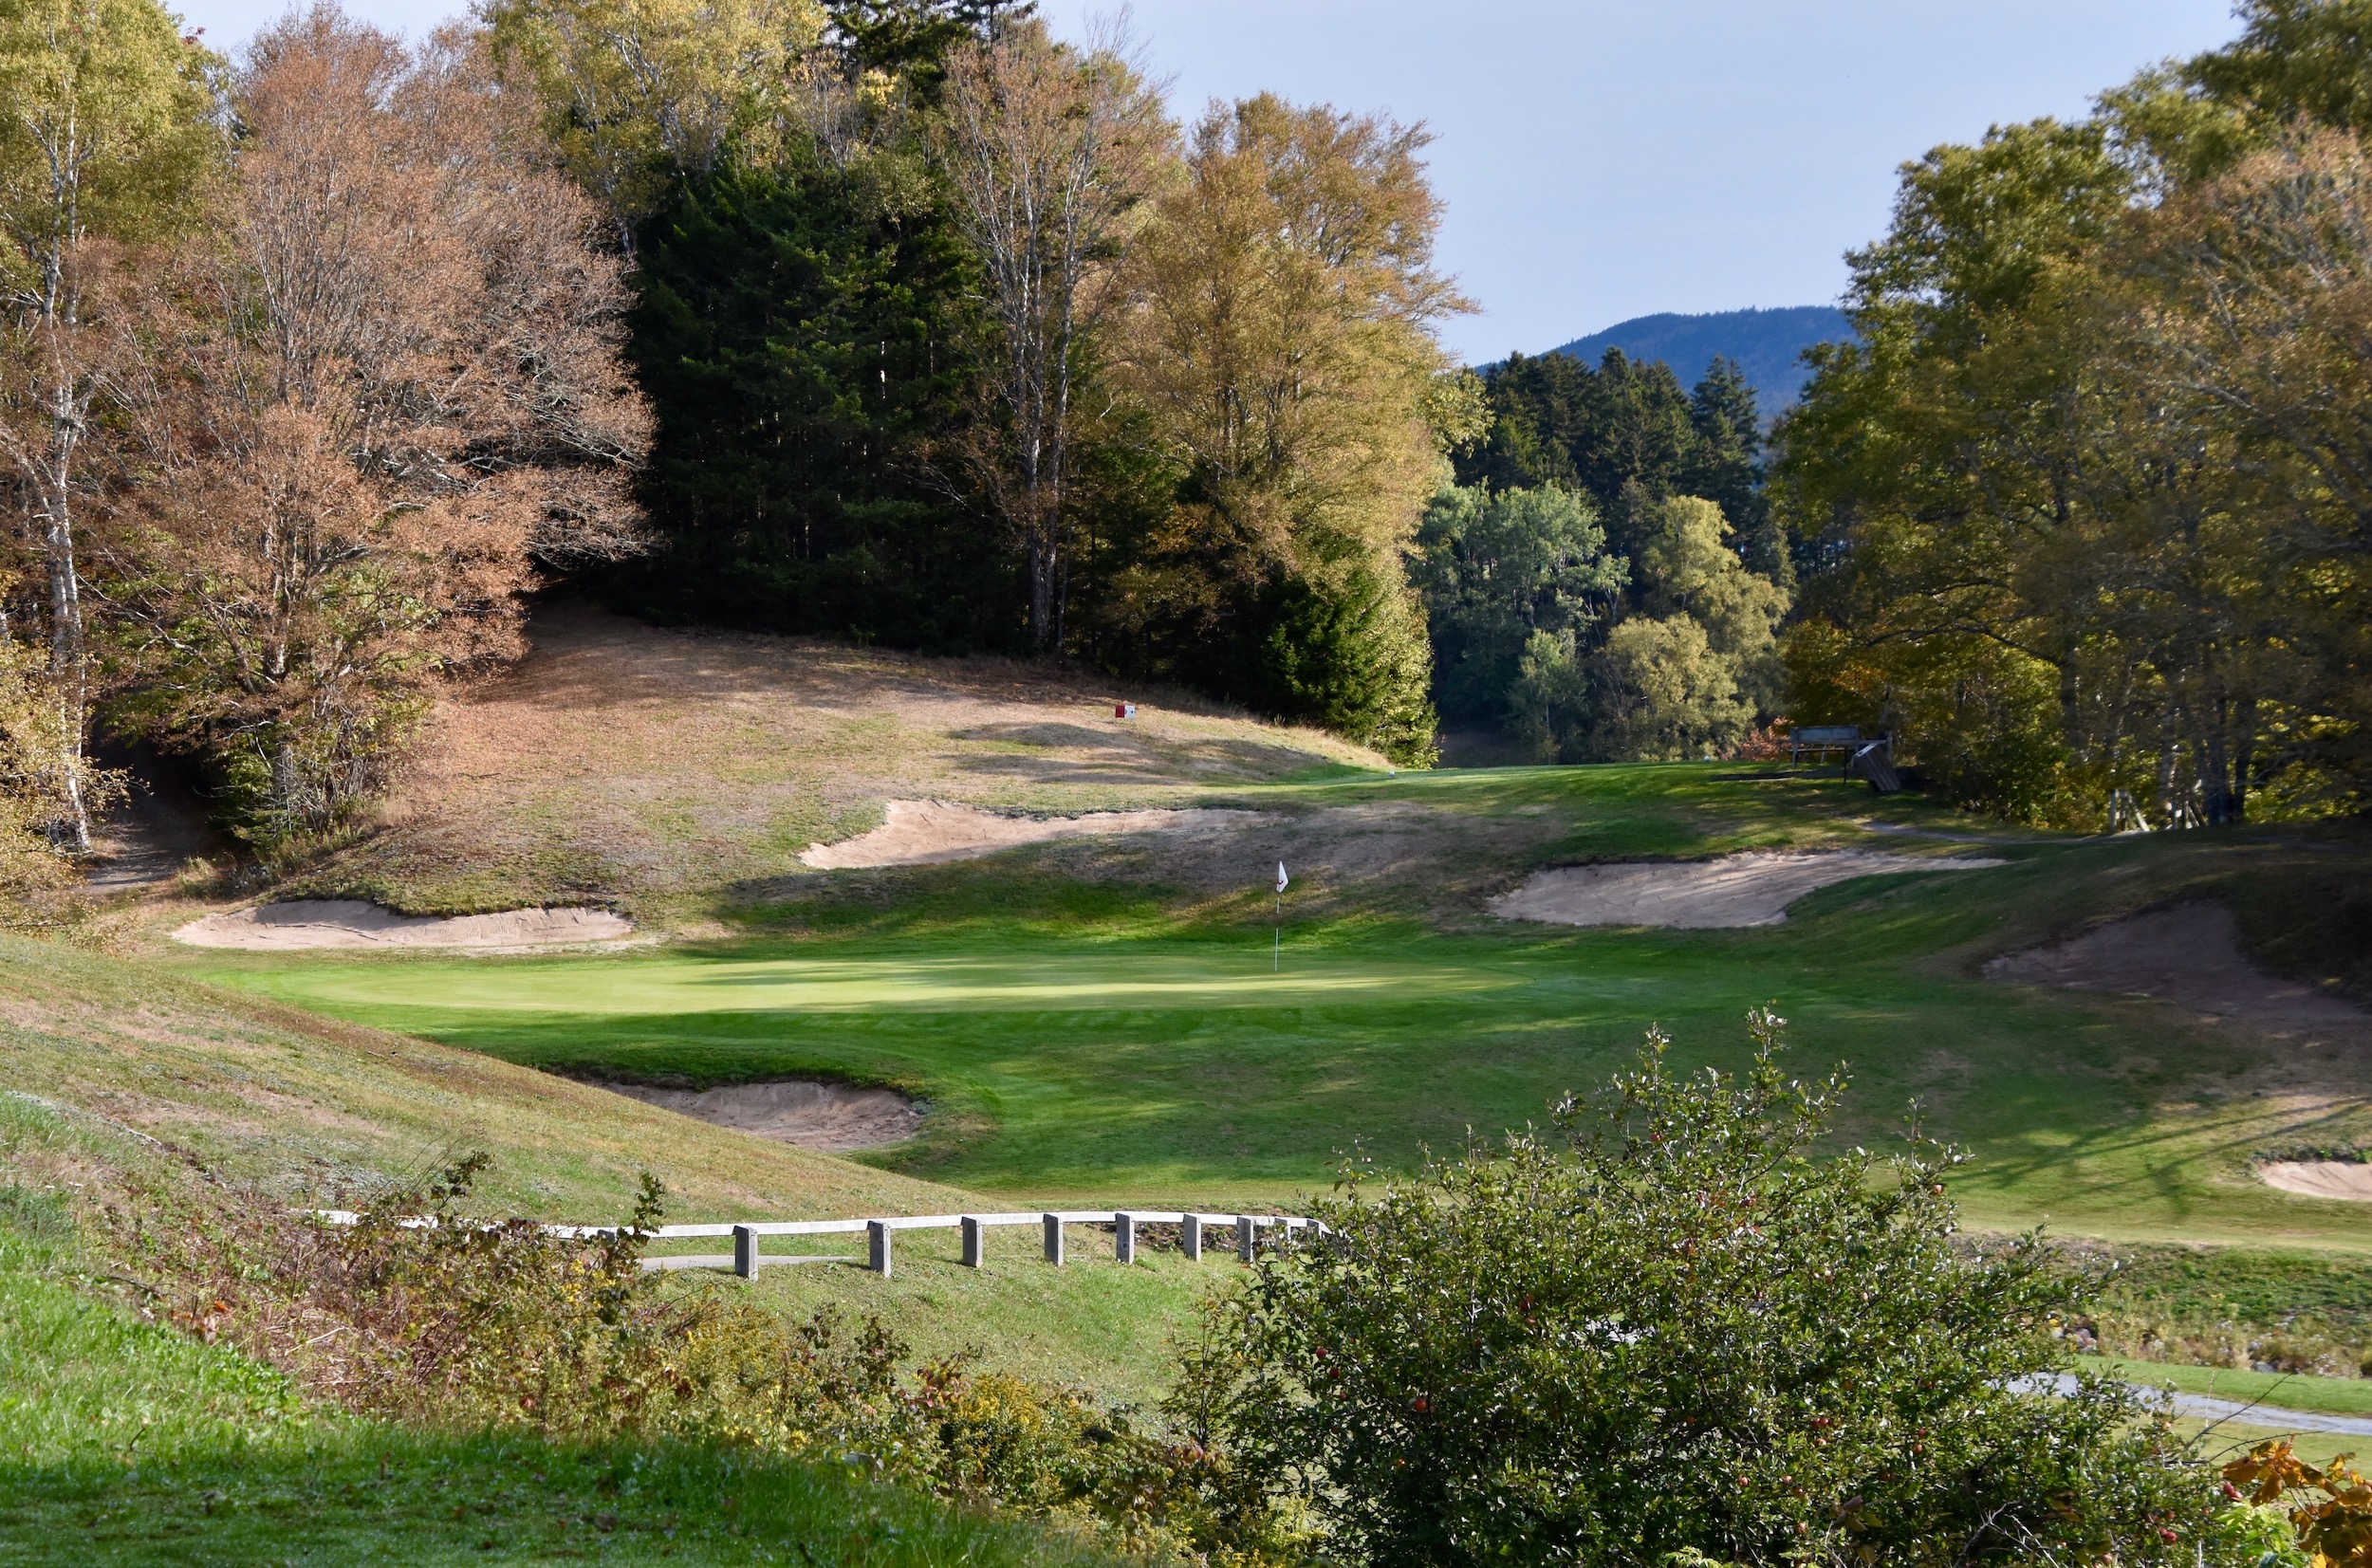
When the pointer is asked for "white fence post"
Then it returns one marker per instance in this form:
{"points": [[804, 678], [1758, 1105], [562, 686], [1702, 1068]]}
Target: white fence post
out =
{"points": [[1125, 1238], [1246, 1237], [745, 1251], [1053, 1239], [877, 1239], [974, 1231]]}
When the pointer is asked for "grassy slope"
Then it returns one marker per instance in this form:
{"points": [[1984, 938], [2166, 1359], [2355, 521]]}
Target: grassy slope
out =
{"points": [[125, 1442], [307, 1107], [650, 769], [1097, 1026]]}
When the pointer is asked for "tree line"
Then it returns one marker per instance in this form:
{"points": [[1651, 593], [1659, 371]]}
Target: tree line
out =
{"points": [[2084, 514], [904, 319]]}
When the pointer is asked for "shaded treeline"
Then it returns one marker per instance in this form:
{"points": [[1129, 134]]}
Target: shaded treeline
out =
{"points": [[2084, 514]]}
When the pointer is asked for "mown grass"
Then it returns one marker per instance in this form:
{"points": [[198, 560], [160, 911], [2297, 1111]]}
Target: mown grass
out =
{"points": [[122, 1442], [313, 1110], [2277, 1390], [1102, 1041], [1092, 1325]]}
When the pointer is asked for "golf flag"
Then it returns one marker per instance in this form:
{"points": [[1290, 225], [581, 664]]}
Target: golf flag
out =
{"points": [[1281, 878]]}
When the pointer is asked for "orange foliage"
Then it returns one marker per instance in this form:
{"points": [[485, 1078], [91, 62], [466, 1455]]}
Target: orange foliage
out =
{"points": [[374, 405], [2336, 1528]]}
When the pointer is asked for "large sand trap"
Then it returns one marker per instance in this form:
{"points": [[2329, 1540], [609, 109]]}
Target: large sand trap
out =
{"points": [[832, 1118], [2189, 954], [921, 833], [2320, 1178], [1736, 890], [351, 923]]}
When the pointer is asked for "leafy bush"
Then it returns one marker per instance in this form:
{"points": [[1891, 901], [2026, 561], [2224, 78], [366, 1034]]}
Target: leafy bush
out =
{"points": [[1670, 1328], [423, 1315]]}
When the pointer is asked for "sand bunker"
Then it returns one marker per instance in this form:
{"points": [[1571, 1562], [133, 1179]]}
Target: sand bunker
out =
{"points": [[2189, 954], [832, 1118], [921, 833], [351, 923], [2350, 1179], [1736, 890]]}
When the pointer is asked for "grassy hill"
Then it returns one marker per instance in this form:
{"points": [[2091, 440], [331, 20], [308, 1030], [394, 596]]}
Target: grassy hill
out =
{"points": [[649, 768]]}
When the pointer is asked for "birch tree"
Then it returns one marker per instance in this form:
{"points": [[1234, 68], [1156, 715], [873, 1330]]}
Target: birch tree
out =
{"points": [[1050, 152], [105, 135]]}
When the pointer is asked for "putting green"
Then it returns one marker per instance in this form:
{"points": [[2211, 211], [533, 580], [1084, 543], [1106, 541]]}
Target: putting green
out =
{"points": [[1048, 980]]}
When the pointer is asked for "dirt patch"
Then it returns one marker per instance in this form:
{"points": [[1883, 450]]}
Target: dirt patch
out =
{"points": [[2350, 1179], [351, 923], [1736, 890], [830, 1118], [921, 833], [2189, 954]]}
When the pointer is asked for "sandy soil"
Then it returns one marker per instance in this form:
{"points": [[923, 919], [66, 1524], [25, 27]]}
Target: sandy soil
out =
{"points": [[830, 1118], [351, 923], [1736, 890], [921, 833], [2189, 954], [2320, 1178]]}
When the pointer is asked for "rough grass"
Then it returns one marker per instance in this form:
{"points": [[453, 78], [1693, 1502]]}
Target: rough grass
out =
{"points": [[125, 1443], [621, 764], [310, 1108]]}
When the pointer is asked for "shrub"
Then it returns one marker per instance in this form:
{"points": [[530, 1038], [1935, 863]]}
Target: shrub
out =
{"points": [[1668, 1327], [423, 1315]]}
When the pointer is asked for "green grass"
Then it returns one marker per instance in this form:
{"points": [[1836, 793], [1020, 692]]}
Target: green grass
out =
{"points": [[1091, 1324], [125, 1442], [1121, 1040], [2279, 1391]]}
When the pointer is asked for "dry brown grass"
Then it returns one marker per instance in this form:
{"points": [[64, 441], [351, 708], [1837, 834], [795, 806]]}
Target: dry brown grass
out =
{"points": [[621, 762]]}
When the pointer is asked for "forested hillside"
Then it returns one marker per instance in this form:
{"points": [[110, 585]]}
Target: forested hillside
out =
{"points": [[1767, 345]]}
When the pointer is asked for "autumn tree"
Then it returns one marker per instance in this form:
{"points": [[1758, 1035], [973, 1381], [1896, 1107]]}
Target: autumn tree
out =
{"points": [[105, 140], [1050, 152], [385, 396], [1280, 351], [635, 93]]}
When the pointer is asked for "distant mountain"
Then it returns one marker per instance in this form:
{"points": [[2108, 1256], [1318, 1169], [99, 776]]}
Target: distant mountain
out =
{"points": [[1764, 342]]}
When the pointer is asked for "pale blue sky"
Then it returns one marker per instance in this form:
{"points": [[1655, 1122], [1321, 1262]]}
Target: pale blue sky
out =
{"points": [[1603, 160]]}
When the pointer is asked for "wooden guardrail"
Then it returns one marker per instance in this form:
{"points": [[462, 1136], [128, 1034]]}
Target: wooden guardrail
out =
{"points": [[745, 1258]]}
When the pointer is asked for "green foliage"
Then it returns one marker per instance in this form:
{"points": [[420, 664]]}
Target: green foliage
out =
{"points": [[1670, 1326], [1497, 569], [429, 1317], [1521, 592], [125, 1441], [1556, 420], [2081, 503], [1672, 656], [797, 335], [107, 134], [1349, 655]]}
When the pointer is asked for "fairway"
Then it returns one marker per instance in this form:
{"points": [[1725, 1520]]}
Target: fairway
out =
{"points": [[1053, 979], [1103, 1043]]}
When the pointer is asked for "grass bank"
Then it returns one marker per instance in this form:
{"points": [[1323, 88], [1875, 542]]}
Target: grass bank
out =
{"points": [[123, 1442]]}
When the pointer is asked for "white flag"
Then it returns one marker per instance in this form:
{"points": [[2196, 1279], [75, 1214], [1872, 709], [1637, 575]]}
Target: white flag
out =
{"points": [[1281, 878]]}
